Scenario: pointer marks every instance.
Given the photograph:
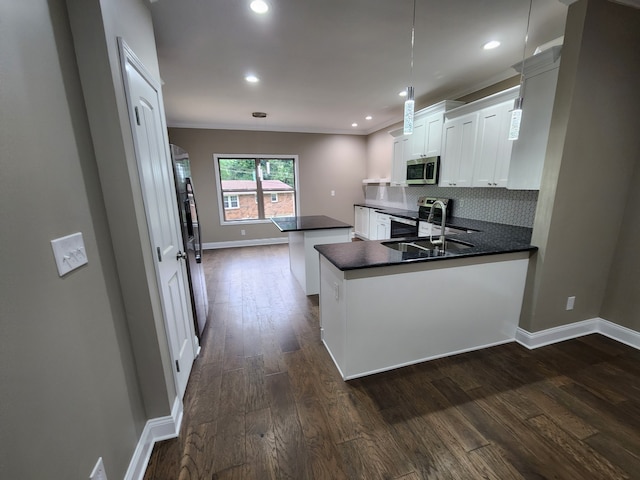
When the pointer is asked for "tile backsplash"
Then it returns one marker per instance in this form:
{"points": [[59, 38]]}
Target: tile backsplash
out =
{"points": [[513, 207]]}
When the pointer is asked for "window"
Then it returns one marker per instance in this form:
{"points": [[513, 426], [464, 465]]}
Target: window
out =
{"points": [[256, 188], [231, 201]]}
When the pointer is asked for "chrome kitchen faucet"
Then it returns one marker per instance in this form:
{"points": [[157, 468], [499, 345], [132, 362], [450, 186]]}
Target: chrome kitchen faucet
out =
{"points": [[443, 207]]}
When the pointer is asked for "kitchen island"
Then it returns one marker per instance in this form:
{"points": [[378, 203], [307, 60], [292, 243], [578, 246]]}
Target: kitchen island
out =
{"points": [[382, 308], [305, 232]]}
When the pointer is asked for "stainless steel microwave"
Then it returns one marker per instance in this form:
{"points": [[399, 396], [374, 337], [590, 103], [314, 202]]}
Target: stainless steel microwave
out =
{"points": [[423, 171]]}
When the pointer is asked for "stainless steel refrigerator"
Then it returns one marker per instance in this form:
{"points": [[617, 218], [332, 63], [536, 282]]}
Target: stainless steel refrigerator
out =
{"points": [[188, 210]]}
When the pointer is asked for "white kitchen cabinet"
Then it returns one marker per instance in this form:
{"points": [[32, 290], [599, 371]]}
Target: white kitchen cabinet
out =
{"points": [[527, 156], [383, 226], [417, 138], [493, 148], [373, 224], [474, 149], [472, 303], [426, 140], [459, 141], [399, 163], [361, 221], [433, 135]]}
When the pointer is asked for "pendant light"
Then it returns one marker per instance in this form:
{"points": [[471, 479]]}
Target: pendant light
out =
{"points": [[409, 103], [516, 114]]}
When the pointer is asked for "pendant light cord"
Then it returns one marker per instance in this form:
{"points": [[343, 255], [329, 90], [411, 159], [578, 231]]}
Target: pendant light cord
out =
{"points": [[413, 40], [524, 49]]}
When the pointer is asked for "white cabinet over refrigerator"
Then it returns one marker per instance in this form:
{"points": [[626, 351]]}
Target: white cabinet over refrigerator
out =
{"points": [[527, 157]]}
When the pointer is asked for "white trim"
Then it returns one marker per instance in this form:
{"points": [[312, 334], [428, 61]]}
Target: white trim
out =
{"points": [[573, 330], [245, 243], [155, 430], [618, 332]]}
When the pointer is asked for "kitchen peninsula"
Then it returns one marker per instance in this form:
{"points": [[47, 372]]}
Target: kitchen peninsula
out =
{"points": [[305, 232], [383, 307]]}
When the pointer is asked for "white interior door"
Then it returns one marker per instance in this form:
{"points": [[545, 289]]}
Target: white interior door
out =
{"points": [[156, 177]]}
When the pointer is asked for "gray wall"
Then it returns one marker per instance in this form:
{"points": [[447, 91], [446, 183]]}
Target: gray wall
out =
{"points": [[326, 162], [69, 390], [587, 193]]}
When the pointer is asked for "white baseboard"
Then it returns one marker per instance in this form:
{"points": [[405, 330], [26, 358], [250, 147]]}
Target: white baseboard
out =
{"points": [[155, 430], [578, 329], [245, 243]]}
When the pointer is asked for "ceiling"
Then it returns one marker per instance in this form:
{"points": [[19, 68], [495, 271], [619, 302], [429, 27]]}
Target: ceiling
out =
{"points": [[326, 64]]}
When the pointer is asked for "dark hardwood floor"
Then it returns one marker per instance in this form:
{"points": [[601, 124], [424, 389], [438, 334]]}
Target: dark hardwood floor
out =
{"points": [[265, 401]]}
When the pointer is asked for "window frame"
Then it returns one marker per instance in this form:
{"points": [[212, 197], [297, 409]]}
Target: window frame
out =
{"points": [[220, 194]]}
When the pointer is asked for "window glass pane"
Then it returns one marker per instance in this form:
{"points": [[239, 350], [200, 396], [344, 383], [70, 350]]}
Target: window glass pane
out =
{"points": [[278, 187], [238, 186], [257, 188]]}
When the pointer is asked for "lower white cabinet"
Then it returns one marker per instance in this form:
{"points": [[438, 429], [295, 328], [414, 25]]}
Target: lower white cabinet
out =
{"points": [[383, 227], [361, 221], [472, 303]]}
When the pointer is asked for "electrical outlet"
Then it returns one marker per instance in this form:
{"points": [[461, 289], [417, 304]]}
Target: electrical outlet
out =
{"points": [[243, 232], [333, 193], [98, 472], [570, 302]]}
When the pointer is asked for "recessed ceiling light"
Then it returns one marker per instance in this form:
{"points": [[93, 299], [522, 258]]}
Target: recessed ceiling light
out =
{"points": [[403, 93], [252, 79], [354, 124], [259, 6], [491, 45], [368, 117]]}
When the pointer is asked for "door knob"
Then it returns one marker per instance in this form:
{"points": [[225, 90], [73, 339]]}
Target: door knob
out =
{"points": [[180, 255]]}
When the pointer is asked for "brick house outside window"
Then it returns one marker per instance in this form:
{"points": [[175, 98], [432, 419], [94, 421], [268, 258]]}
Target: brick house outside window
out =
{"points": [[278, 199]]}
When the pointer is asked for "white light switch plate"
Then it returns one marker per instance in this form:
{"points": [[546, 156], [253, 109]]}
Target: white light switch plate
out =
{"points": [[69, 252]]}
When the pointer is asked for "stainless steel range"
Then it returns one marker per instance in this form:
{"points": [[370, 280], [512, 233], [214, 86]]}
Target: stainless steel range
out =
{"points": [[424, 207]]}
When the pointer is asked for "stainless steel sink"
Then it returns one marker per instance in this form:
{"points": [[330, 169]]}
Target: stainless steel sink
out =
{"points": [[426, 248]]}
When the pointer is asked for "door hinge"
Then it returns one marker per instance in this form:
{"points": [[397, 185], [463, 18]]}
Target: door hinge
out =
{"points": [[177, 366], [137, 116], [159, 254]]}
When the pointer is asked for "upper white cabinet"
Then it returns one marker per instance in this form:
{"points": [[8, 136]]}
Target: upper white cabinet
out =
{"points": [[527, 156], [459, 142], [398, 162], [425, 141], [476, 151], [493, 148]]}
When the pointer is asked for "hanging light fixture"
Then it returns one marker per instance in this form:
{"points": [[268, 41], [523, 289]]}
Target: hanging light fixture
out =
{"points": [[516, 114], [409, 103]]}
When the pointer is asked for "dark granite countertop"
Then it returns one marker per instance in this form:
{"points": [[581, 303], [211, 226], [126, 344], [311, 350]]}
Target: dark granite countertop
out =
{"points": [[486, 238], [308, 222]]}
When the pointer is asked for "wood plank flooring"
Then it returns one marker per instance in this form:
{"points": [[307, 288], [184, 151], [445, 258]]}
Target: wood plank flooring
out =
{"points": [[264, 400]]}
